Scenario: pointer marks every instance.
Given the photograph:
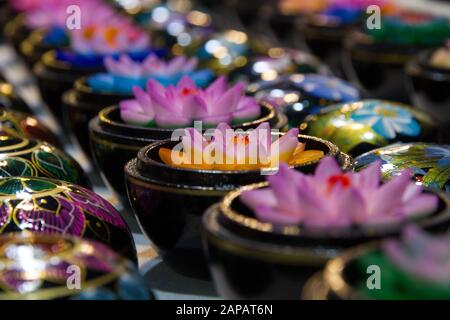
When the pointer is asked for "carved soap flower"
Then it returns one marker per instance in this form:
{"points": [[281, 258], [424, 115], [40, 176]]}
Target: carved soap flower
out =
{"points": [[223, 148], [113, 36], [421, 255], [180, 105], [332, 198], [124, 73]]}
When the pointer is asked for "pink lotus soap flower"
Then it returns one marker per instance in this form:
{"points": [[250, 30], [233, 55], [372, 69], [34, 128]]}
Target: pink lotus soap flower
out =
{"points": [[116, 35], [424, 256], [332, 198], [223, 148], [178, 106]]}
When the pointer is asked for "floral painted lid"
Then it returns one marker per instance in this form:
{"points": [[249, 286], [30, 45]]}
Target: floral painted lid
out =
{"points": [[367, 124], [55, 207], [43, 267], [18, 124], [429, 162], [22, 157]]}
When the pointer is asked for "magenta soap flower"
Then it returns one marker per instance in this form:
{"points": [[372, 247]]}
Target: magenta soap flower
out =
{"points": [[331, 198], [422, 255], [180, 105]]}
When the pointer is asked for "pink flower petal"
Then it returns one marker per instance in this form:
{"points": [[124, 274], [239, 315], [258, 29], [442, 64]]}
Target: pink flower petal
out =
{"points": [[254, 198], [277, 215], [327, 167], [172, 121], [227, 103], [421, 205], [369, 178], [389, 195]]}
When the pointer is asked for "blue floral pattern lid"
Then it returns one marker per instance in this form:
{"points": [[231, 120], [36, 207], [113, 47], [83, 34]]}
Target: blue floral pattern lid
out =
{"points": [[364, 125]]}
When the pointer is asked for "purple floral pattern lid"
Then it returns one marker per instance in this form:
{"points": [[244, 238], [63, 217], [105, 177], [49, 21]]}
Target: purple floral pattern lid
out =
{"points": [[48, 206]]}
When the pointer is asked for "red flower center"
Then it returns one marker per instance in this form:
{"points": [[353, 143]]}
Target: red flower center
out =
{"points": [[188, 91], [241, 139], [341, 179]]}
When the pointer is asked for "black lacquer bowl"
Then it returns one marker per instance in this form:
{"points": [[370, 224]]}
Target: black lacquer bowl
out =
{"points": [[81, 104], [324, 35], [56, 77], [250, 259], [35, 45], [429, 89], [114, 143], [16, 31], [378, 67], [169, 202]]}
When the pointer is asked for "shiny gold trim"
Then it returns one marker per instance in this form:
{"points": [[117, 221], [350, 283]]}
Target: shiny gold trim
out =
{"points": [[21, 144], [63, 187], [315, 288], [206, 192], [333, 271]]}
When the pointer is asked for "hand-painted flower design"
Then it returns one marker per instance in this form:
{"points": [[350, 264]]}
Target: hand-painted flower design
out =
{"points": [[326, 87], [387, 119], [332, 198], [441, 152], [180, 105]]}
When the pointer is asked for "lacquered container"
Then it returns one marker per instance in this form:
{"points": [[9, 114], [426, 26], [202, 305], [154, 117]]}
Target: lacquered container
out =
{"points": [[428, 89], [361, 126], [114, 143], [250, 259], [81, 104], [378, 67], [41, 205], [55, 267], [169, 202], [56, 76], [429, 162]]}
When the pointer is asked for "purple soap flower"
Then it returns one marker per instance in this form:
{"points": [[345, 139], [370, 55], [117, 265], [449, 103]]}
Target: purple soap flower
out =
{"points": [[422, 255], [331, 198], [180, 105]]}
